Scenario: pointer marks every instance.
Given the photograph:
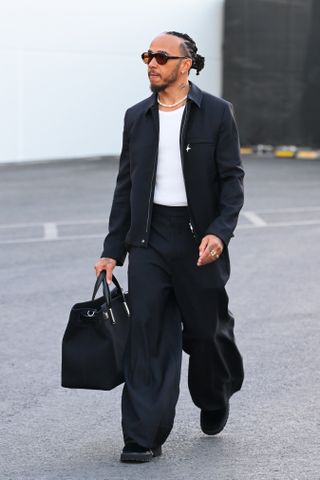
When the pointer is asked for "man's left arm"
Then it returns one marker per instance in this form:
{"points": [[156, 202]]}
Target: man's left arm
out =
{"points": [[231, 173]]}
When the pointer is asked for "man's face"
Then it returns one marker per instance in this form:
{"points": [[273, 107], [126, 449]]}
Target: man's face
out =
{"points": [[162, 76]]}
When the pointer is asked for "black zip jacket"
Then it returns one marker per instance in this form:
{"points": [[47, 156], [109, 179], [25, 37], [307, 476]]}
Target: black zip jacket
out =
{"points": [[211, 164]]}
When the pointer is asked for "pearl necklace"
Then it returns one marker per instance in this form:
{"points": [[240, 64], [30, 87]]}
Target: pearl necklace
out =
{"points": [[173, 104]]}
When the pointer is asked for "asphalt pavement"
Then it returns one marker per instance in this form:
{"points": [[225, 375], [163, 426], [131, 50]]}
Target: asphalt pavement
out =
{"points": [[52, 223]]}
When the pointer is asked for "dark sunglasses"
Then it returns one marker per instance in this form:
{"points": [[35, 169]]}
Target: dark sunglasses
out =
{"points": [[161, 57]]}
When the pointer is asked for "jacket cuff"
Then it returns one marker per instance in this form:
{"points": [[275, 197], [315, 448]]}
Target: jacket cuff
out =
{"points": [[118, 256], [224, 236]]}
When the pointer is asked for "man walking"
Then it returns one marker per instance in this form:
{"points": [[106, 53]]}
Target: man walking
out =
{"points": [[176, 203]]}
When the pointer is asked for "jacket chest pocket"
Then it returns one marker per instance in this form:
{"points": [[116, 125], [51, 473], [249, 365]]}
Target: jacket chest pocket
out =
{"points": [[200, 148], [200, 141], [197, 143], [199, 158]]}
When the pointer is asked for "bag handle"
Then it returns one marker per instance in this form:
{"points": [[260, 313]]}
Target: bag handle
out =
{"points": [[107, 294], [106, 291]]}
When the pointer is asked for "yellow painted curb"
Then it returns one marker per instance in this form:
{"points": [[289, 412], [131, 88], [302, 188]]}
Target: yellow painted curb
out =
{"points": [[284, 153], [246, 151], [307, 154]]}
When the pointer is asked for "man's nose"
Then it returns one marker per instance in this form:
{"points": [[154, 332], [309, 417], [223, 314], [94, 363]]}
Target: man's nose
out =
{"points": [[153, 62]]}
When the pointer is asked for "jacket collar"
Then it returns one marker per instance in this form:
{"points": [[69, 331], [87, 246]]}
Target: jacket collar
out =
{"points": [[195, 95]]}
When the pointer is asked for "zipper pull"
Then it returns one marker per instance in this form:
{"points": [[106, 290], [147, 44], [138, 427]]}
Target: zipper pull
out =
{"points": [[191, 228]]}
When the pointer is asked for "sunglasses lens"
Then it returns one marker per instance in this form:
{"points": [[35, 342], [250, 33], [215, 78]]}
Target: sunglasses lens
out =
{"points": [[146, 57], [161, 58]]}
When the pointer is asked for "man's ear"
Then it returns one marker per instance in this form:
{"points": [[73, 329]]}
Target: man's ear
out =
{"points": [[188, 64]]}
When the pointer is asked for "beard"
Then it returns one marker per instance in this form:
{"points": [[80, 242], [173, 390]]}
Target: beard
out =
{"points": [[158, 88], [169, 81]]}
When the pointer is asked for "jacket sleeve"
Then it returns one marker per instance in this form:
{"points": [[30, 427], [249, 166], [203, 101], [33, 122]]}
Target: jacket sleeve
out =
{"points": [[231, 175], [120, 215]]}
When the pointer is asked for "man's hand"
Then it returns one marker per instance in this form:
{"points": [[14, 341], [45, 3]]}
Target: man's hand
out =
{"points": [[107, 264], [210, 250]]}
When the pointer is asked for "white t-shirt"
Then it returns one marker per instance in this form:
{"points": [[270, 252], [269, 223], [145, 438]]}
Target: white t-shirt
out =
{"points": [[170, 188]]}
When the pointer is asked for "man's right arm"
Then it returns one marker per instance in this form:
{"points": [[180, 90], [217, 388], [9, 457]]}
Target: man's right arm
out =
{"points": [[114, 250], [119, 220]]}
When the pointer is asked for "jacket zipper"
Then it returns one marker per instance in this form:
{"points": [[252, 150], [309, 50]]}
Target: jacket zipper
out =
{"points": [[155, 115], [183, 125]]}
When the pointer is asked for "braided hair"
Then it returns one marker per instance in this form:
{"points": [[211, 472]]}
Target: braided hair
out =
{"points": [[190, 48]]}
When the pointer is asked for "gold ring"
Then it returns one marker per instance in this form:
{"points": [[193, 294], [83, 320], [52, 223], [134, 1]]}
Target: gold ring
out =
{"points": [[213, 253]]}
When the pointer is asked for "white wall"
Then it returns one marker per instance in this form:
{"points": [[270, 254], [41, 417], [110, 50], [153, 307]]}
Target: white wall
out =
{"points": [[70, 68]]}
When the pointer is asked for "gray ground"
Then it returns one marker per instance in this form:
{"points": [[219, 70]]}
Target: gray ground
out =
{"points": [[53, 220]]}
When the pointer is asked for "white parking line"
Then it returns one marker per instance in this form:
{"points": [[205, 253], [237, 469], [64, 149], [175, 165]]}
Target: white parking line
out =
{"points": [[300, 223], [289, 210], [254, 218], [50, 231], [42, 239], [101, 236], [63, 222]]}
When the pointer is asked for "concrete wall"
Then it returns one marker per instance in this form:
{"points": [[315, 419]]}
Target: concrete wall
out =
{"points": [[70, 68]]}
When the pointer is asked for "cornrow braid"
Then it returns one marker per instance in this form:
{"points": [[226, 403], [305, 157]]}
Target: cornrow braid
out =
{"points": [[190, 49]]}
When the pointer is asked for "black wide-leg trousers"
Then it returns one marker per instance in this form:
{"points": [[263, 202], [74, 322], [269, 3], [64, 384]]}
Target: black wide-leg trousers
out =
{"points": [[175, 305]]}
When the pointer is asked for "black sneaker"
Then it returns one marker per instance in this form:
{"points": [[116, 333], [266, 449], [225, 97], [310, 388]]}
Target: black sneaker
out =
{"points": [[213, 422], [132, 452]]}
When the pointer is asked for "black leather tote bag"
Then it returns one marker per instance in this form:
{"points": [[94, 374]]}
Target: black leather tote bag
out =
{"points": [[95, 338]]}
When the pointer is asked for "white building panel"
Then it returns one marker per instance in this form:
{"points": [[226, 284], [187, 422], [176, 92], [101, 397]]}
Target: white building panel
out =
{"points": [[70, 68]]}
